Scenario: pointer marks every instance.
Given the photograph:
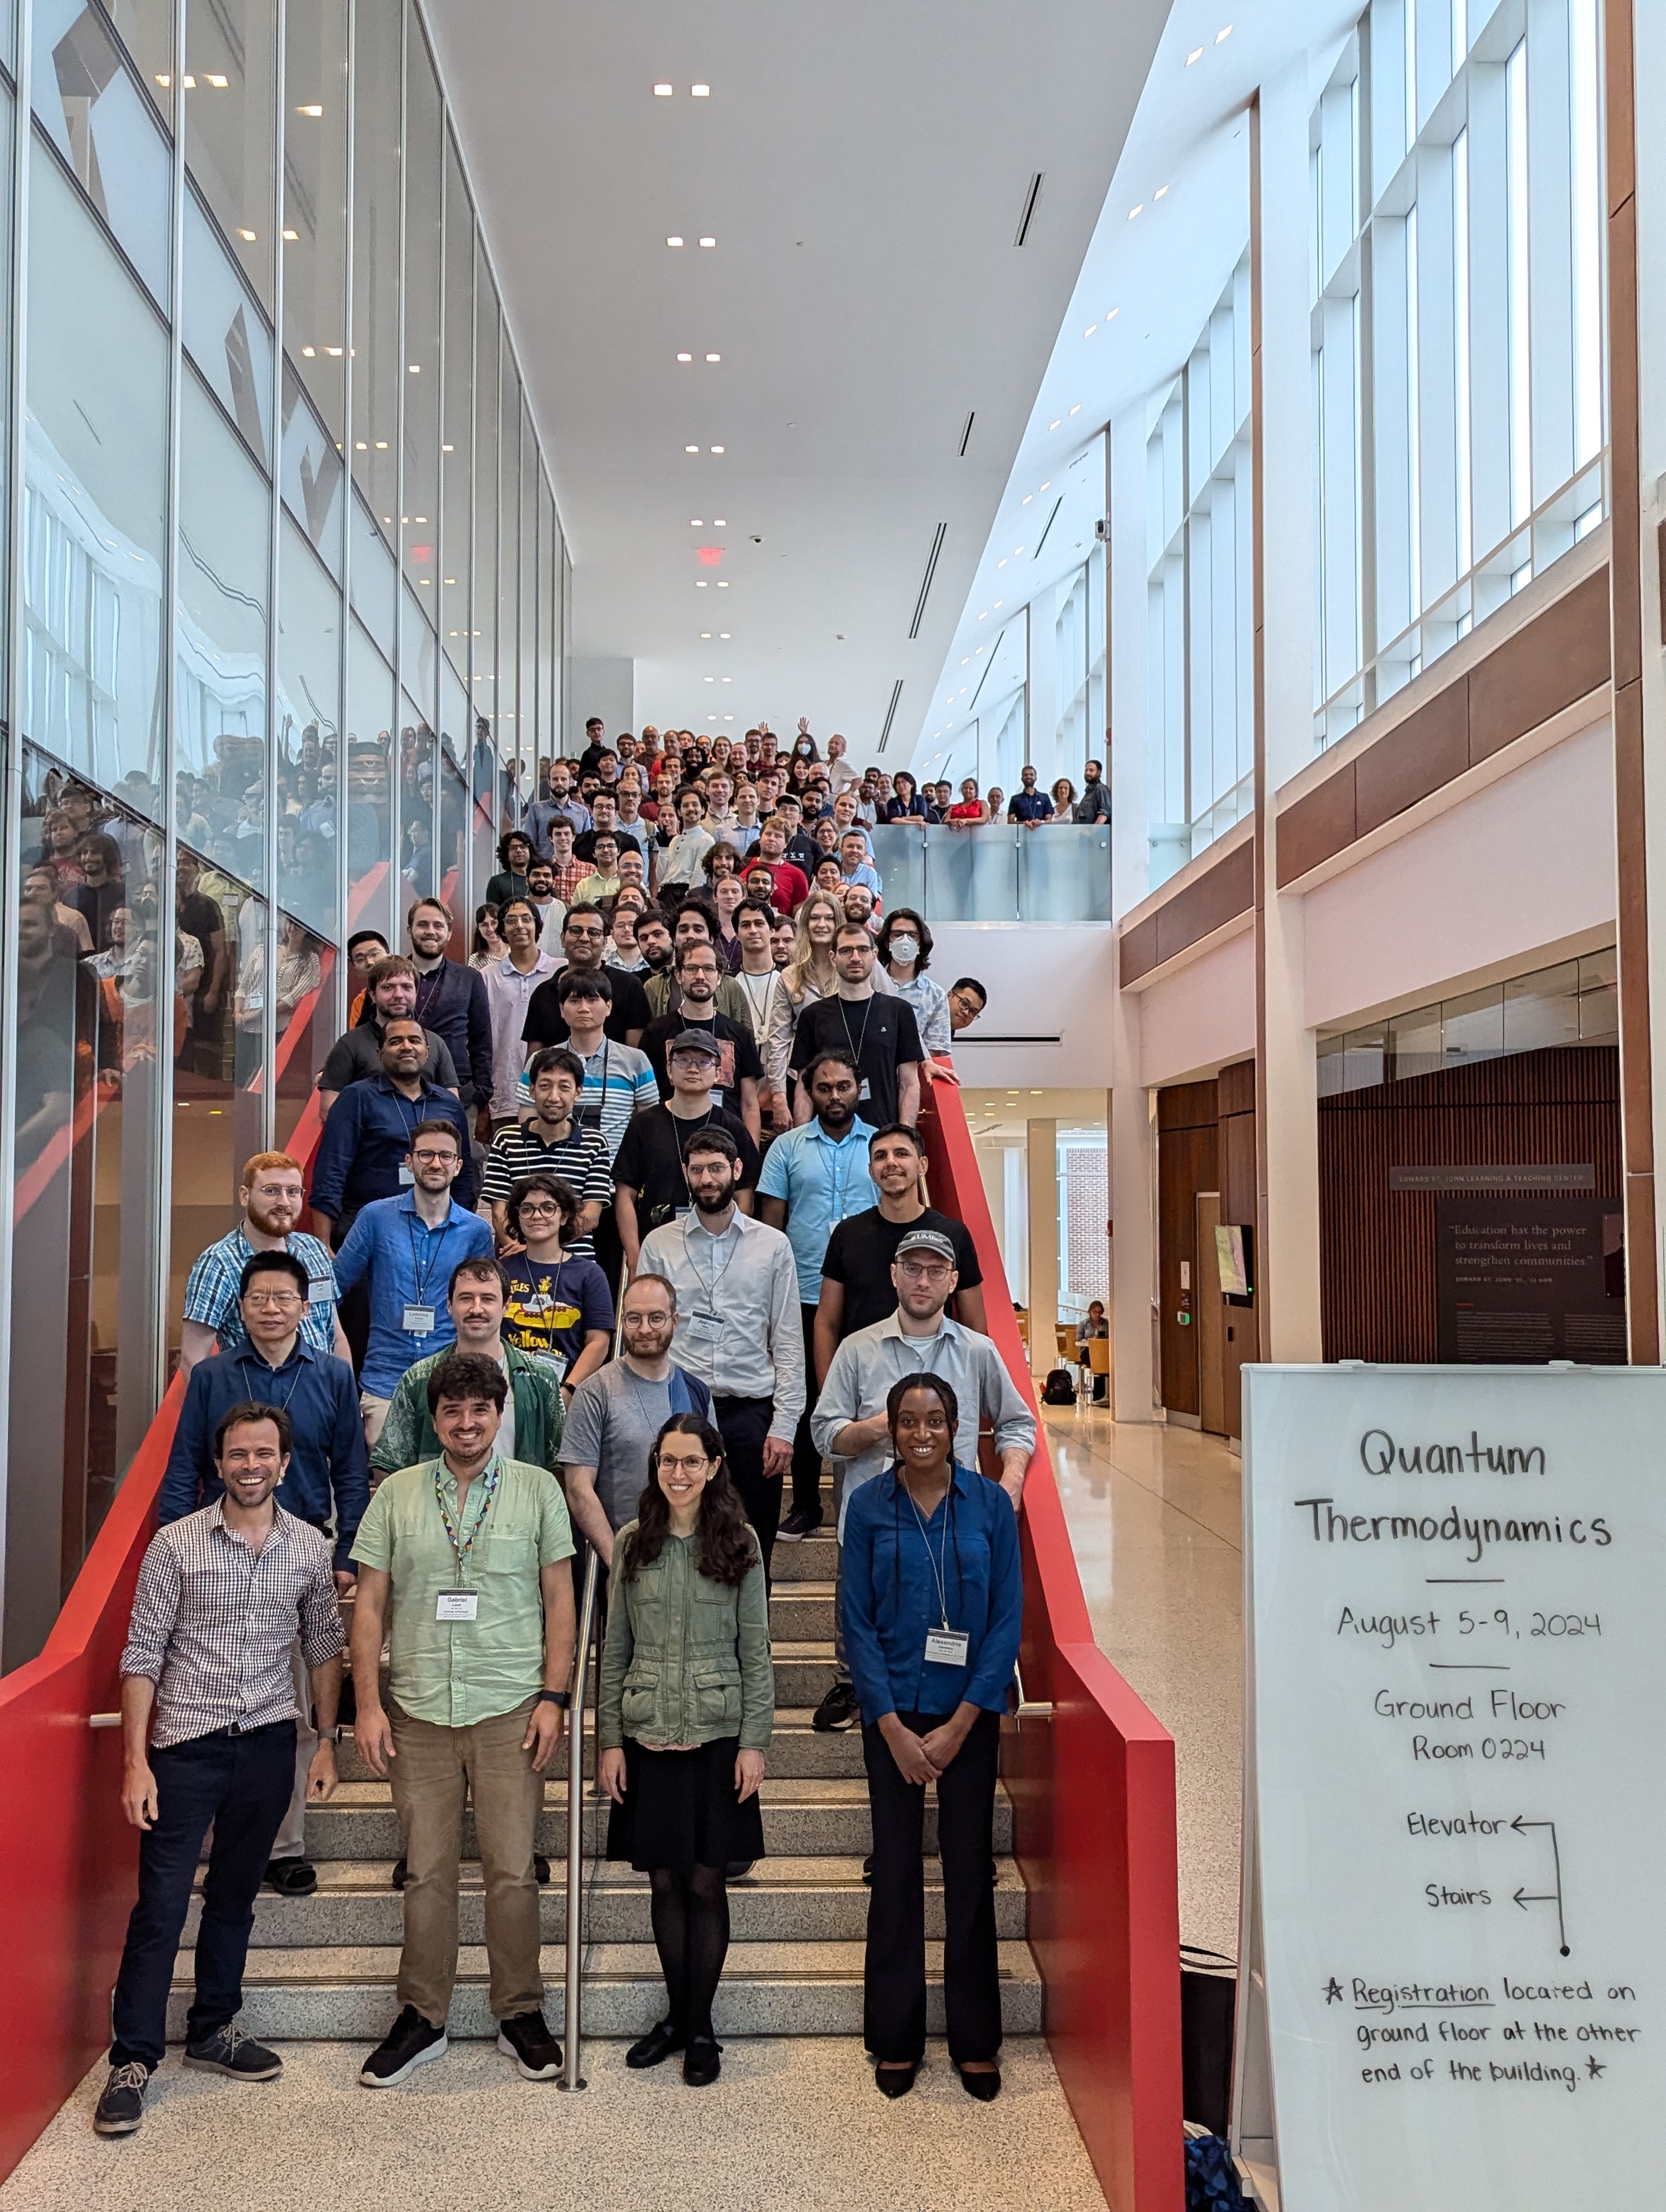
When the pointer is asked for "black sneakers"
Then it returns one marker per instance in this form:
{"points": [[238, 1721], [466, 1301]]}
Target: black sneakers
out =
{"points": [[231, 2050], [528, 2041], [410, 2043], [797, 1526], [291, 1877], [838, 1709], [121, 2106]]}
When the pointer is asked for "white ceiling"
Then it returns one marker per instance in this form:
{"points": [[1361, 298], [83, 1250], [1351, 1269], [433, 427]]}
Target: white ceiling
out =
{"points": [[863, 167]]}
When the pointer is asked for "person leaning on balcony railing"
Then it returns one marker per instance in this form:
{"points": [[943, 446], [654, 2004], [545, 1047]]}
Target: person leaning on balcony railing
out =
{"points": [[1030, 806], [970, 812], [209, 1717], [1064, 799], [931, 1601]]}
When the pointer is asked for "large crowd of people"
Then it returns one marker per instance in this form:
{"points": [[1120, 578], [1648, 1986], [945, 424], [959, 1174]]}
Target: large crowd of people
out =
{"points": [[620, 1239]]}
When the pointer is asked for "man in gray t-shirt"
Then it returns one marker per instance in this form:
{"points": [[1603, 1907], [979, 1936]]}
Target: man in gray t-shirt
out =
{"points": [[617, 1413]]}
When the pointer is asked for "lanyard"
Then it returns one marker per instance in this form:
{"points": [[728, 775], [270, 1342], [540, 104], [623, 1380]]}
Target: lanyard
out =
{"points": [[682, 1144], [710, 1288], [487, 1491], [855, 1044], [423, 1270], [940, 1565], [842, 1187], [759, 1017], [592, 1110], [243, 1370]]}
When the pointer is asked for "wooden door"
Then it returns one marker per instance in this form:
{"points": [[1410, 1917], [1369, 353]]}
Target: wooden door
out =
{"points": [[1210, 1325]]}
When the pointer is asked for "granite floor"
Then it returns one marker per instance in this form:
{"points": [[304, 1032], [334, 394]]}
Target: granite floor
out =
{"points": [[1154, 1514], [794, 2123]]}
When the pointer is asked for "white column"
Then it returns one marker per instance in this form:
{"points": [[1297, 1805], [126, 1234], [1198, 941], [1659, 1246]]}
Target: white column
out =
{"points": [[1043, 1187], [1287, 1133]]}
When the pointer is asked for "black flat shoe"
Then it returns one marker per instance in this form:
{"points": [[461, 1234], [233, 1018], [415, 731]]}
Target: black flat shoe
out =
{"points": [[702, 2061], [986, 2088], [656, 2046], [895, 2080]]}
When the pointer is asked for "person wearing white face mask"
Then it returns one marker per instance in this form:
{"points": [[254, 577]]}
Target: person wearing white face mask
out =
{"points": [[905, 951]]}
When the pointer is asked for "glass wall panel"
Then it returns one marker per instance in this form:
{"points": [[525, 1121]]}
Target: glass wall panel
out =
{"points": [[379, 39], [483, 673], [313, 479], [309, 724], [145, 28], [95, 464], [456, 438], [89, 104], [535, 746], [94, 1035], [509, 571], [224, 332], [315, 206], [423, 174], [231, 96], [370, 725], [304, 1018], [219, 691]]}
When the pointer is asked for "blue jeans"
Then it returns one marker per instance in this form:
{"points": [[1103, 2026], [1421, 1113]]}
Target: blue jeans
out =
{"points": [[240, 1784]]}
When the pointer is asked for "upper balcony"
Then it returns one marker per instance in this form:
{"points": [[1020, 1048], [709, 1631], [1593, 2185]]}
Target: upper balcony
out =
{"points": [[1003, 872]]}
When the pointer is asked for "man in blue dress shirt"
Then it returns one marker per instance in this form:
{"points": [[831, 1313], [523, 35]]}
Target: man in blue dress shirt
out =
{"points": [[364, 1151]]}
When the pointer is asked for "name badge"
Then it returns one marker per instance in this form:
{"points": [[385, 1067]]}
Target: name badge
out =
{"points": [[463, 1605], [418, 1321], [947, 1647], [865, 1088], [320, 1294], [407, 1178]]}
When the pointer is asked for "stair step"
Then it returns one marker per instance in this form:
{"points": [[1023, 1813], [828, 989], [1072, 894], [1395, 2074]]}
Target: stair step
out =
{"points": [[335, 1994], [803, 1900], [802, 1613], [813, 1560], [801, 1819], [796, 1750]]}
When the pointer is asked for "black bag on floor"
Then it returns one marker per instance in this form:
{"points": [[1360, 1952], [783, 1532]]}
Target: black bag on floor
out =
{"points": [[1208, 1994], [1212, 2181], [1059, 1388]]}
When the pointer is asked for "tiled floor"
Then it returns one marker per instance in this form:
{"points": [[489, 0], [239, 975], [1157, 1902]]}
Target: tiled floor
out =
{"points": [[1154, 1516]]}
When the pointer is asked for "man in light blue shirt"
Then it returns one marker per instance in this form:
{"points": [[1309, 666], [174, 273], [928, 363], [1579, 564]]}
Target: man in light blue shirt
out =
{"points": [[408, 1246], [813, 1178], [854, 864]]}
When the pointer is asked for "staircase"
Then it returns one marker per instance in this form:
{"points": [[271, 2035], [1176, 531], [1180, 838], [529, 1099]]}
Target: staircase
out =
{"points": [[323, 1967]]}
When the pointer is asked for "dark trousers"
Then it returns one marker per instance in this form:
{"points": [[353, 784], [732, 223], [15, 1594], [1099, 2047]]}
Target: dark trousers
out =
{"points": [[894, 1989], [744, 1423], [806, 1460], [241, 1784]]}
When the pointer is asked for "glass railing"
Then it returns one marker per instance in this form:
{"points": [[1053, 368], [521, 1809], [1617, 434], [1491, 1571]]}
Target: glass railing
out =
{"points": [[1060, 872]]}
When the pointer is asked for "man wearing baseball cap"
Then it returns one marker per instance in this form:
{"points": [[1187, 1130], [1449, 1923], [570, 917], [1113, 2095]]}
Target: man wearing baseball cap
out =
{"points": [[650, 1171], [849, 1425]]}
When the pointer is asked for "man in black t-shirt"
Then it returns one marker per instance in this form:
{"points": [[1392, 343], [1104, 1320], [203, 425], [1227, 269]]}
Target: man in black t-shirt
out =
{"points": [[856, 1286], [650, 1179], [880, 1034], [739, 1070], [583, 935]]}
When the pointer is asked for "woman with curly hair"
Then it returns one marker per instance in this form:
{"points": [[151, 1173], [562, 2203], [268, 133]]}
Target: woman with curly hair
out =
{"points": [[683, 1717]]}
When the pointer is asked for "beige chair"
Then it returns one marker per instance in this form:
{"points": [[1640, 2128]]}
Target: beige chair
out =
{"points": [[1098, 1356]]}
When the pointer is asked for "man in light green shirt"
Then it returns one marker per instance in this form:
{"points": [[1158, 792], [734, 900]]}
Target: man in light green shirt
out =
{"points": [[463, 1569]]}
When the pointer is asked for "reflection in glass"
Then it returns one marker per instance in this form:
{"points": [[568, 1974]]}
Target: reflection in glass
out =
{"points": [[456, 441], [483, 673], [90, 106], [370, 795], [225, 333], [378, 35], [94, 463], [511, 738], [305, 1022], [221, 691], [535, 737], [315, 214], [231, 88], [420, 357], [309, 731]]}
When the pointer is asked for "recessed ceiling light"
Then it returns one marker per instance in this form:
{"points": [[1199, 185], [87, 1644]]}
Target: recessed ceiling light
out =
{"points": [[359, 446], [1026, 501], [1017, 550], [381, 445], [984, 617], [312, 108], [662, 92], [447, 449], [335, 354], [728, 679], [1089, 332], [997, 606], [1111, 313], [1226, 33], [691, 449], [1054, 424], [1134, 212], [415, 366], [1048, 486], [700, 583], [308, 352], [708, 242], [1077, 408], [700, 92], [673, 241], [717, 523], [714, 356], [695, 522], [1159, 192], [966, 659], [711, 679], [218, 82], [686, 356], [248, 236], [717, 449], [722, 584], [725, 633], [292, 235], [1196, 55]]}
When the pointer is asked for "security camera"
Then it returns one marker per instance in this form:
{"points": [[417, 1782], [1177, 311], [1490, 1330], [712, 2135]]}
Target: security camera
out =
{"points": [[1102, 529]]}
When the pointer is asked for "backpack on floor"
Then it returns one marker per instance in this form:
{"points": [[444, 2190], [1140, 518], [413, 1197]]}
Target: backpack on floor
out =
{"points": [[1060, 1389]]}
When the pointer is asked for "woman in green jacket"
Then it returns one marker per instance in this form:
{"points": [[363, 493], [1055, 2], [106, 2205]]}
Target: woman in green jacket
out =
{"points": [[687, 1704]]}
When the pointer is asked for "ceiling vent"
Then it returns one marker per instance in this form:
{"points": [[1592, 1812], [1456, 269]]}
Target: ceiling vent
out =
{"points": [[1031, 199], [966, 434], [925, 581], [1051, 519], [891, 713]]}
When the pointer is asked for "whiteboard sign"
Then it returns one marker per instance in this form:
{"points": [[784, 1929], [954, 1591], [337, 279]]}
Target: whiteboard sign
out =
{"points": [[1456, 1791]]}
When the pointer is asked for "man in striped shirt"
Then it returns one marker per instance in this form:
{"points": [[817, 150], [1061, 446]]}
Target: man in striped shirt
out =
{"points": [[208, 1715]]}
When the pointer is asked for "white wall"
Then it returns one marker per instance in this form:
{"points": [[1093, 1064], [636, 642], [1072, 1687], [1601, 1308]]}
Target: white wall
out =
{"points": [[1201, 1016], [607, 688], [1045, 981]]}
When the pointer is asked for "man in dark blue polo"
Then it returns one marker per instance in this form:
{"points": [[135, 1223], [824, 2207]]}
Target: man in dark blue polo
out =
{"points": [[362, 1153], [326, 1478]]}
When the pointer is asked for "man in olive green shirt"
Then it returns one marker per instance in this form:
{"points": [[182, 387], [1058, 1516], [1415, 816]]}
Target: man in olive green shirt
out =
{"points": [[534, 1412], [462, 1565]]}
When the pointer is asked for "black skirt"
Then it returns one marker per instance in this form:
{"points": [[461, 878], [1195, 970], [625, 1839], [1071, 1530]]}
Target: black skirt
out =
{"points": [[681, 1811]]}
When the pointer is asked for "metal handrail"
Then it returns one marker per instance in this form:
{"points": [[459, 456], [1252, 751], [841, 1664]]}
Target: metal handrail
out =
{"points": [[571, 2078]]}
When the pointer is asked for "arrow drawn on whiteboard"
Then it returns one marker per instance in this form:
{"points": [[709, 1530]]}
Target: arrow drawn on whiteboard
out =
{"points": [[1524, 1897]]}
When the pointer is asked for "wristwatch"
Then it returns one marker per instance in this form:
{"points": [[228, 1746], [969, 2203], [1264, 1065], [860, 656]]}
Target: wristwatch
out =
{"points": [[330, 1734], [555, 1698]]}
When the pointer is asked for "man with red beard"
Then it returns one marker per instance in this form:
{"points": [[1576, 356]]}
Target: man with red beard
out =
{"points": [[272, 1204]]}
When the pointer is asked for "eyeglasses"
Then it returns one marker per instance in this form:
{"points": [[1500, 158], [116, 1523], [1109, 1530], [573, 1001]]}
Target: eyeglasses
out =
{"points": [[432, 1160], [531, 1210], [260, 1299], [931, 1270]]}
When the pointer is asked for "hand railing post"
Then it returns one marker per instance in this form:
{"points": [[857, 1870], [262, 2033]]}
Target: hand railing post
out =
{"points": [[571, 2077]]}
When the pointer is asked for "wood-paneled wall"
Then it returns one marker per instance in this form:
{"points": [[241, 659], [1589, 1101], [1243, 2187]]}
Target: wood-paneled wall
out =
{"points": [[1376, 1246], [1205, 1140]]}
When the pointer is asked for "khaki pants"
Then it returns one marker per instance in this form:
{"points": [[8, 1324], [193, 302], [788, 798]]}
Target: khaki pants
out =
{"points": [[429, 1774], [373, 1410], [291, 1839]]}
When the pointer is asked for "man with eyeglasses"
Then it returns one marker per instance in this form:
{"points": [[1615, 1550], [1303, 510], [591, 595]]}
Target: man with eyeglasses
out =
{"points": [[739, 1069], [849, 1425], [405, 1247], [583, 941], [879, 1034], [555, 1138], [270, 1363], [272, 1196]]}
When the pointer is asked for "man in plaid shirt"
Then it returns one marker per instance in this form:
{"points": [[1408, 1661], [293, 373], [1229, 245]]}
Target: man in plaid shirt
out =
{"points": [[208, 1712]]}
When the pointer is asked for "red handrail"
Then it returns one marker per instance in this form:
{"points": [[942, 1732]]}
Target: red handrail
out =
{"points": [[1093, 1795]]}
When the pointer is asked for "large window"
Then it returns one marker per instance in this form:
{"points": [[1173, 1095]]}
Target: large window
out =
{"points": [[1200, 581], [1456, 265]]}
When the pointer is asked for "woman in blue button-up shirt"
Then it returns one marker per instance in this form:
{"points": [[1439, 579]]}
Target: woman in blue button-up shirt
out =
{"points": [[932, 1599]]}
